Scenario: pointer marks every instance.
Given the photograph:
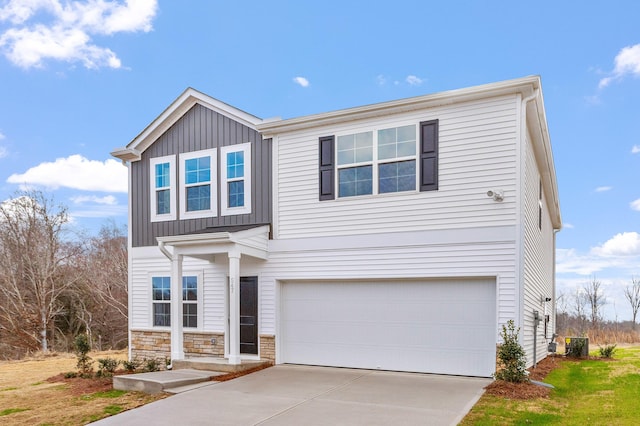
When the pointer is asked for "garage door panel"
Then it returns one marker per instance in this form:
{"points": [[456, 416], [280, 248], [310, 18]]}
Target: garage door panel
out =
{"points": [[445, 327]]}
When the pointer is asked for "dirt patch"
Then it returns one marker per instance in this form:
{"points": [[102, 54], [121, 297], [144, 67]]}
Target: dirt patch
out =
{"points": [[231, 376], [527, 390], [81, 386]]}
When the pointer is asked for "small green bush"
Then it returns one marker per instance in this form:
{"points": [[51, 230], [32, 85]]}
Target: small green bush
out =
{"points": [[511, 356], [70, 375], [107, 367], [151, 365], [131, 366], [577, 346], [608, 351], [82, 348]]}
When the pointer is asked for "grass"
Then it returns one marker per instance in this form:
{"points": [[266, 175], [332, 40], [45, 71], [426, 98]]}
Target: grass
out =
{"points": [[27, 398], [602, 392]]}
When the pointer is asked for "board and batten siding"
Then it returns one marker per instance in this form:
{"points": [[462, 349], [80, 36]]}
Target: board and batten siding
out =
{"points": [[200, 128], [538, 261], [477, 152]]}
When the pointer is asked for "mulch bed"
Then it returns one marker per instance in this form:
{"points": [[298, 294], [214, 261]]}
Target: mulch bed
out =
{"points": [[80, 386], [527, 390], [230, 376]]}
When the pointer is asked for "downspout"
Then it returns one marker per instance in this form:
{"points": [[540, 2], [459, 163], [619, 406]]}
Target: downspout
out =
{"points": [[521, 236], [164, 250]]}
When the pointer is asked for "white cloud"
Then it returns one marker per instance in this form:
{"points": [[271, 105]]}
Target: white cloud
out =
{"points": [[381, 79], [107, 199], [301, 81], [635, 205], [623, 244], [635, 149], [67, 33], [568, 225], [627, 62], [413, 80], [604, 188], [76, 172], [2, 136]]}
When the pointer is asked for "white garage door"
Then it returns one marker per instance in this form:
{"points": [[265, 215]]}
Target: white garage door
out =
{"points": [[444, 327]]}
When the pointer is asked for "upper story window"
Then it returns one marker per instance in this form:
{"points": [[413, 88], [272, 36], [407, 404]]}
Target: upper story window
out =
{"points": [[377, 162], [394, 159], [163, 191], [235, 185], [197, 184]]}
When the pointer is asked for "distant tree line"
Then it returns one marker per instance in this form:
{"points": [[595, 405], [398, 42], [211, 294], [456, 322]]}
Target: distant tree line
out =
{"points": [[580, 314], [55, 284]]}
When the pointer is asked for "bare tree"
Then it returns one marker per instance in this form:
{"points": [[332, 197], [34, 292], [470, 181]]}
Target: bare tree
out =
{"points": [[107, 277], [632, 293], [36, 267], [595, 300], [580, 309]]}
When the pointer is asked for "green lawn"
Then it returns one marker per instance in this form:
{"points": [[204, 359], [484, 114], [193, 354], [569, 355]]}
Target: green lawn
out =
{"points": [[588, 392]]}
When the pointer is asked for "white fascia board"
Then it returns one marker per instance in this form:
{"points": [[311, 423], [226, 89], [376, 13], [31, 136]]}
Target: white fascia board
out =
{"points": [[126, 154], [178, 108], [537, 123], [525, 85]]}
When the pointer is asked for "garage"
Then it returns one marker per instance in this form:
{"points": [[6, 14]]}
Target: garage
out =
{"points": [[430, 326]]}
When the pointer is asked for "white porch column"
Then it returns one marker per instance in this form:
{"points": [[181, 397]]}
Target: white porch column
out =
{"points": [[177, 339], [234, 307]]}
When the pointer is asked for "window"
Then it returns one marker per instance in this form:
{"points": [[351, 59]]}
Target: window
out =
{"points": [[163, 183], [377, 162], [161, 295], [161, 299], [190, 301], [198, 184], [235, 186]]}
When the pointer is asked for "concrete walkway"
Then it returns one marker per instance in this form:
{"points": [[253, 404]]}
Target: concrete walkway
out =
{"points": [[304, 395]]}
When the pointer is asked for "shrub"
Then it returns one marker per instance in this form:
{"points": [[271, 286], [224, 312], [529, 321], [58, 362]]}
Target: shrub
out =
{"points": [[608, 351], [132, 365], [82, 348], [511, 356], [576, 348], [107, 367], [70, 375], [151, 365]]}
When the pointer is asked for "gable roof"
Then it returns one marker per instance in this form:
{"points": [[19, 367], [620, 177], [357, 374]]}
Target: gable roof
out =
{"points": [[190, 97]]}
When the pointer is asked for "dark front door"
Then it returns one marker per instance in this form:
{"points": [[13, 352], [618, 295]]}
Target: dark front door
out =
{"points": [[249, 315]]}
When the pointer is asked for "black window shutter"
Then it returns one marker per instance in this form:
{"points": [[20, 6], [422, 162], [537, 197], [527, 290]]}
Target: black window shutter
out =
{"points": [[327, 168], [429, 155]]}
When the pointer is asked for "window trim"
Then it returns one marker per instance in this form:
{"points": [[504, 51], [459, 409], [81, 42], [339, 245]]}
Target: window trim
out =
{"points": [[153, 302], [375, 162], [225, 210], [199, 303], [172, 215], [213, 184]]}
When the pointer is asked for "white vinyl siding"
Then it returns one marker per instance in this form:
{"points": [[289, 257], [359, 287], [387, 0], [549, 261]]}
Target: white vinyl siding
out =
{"points": [[211, 288], [477, 152], [538, 261], [488, 252]]}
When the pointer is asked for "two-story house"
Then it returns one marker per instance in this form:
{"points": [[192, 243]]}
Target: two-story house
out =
{"points": [[399, 236]]}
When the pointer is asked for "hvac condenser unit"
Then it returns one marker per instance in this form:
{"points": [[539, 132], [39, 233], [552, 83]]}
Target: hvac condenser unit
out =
{"points": [[576, 346]]}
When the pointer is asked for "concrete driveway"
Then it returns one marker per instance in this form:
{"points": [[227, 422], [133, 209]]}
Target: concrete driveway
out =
{"points": [[304, 395]]}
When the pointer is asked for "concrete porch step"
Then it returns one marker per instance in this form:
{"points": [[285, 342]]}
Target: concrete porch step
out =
{"points": [[160, 381], [217, 364]]}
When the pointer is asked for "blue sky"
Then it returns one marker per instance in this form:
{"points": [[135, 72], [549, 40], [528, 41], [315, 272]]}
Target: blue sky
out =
{"points": [[80, 78]]}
